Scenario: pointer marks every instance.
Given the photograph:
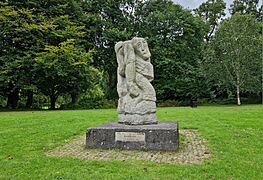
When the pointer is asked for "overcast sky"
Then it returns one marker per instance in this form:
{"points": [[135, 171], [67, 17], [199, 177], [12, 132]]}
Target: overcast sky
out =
{"points": [[192, 4]]}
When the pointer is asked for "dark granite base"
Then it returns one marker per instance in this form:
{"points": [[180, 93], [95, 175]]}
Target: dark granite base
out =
{"points": [[163, 136]]}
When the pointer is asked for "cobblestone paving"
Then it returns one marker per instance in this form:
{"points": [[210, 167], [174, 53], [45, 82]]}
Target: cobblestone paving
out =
{"points": [[192, 150]]}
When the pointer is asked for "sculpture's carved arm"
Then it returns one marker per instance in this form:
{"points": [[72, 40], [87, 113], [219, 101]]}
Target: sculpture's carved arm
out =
{"points": [[120, 58], [130, 71]]}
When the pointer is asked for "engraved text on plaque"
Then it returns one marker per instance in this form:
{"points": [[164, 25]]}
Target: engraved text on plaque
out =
{"points": [[130, 136]]}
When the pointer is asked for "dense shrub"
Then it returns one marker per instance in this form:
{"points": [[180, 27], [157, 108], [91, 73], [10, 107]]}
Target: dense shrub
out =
{"points": [[92, 103]]}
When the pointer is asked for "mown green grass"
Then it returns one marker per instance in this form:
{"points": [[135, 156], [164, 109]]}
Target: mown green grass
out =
{"points": [[234, 134]]}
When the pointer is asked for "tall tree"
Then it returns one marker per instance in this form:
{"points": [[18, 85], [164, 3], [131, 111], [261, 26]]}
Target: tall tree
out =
{"points": [[175, 39], [116, 24], [247, 7], [26, 29], [64, 69], [20, 38], [212, 12], [233, 57]]}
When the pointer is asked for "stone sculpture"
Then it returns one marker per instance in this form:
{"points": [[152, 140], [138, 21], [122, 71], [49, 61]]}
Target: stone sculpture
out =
{"points": [[137, 99], [136, 106]]}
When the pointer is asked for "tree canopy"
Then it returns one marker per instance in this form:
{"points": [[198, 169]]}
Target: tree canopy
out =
{"points": [[175, 38], [62, 51], [234, 56]]}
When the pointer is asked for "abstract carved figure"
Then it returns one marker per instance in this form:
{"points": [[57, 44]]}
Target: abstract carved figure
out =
{"points": [[137, 97]]}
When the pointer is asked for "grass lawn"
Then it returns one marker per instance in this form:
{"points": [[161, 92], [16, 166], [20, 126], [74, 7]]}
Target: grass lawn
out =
{"points": [[234, 135]]}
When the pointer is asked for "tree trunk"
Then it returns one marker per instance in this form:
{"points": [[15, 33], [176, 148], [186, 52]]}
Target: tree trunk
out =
{"points": [[111, 89], [53, 102], [238, 96], [29, 101], [262, 88], [74, 99], [13, 97], [238, 83]]}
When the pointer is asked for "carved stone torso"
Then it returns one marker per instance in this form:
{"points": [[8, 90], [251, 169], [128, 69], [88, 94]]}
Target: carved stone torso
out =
{"points": [[145, 68]]}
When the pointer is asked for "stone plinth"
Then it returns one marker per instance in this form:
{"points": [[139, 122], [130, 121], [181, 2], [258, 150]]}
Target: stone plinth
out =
{"points": [[163, 136]]}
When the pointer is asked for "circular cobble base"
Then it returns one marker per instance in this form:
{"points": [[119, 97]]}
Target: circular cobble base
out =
{"points": [[193, 149]]}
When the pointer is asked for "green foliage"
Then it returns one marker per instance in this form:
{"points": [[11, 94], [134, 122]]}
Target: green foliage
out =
{"points": [[21, 37], [233, 59], [212, 12], [2, 101], [116, 24], [92, 103], [247, 7], [53, 33], [66, 69], [66, 48], [175, 39]]}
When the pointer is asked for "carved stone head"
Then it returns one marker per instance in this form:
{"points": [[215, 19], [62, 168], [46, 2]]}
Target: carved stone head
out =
{"points": [[141, 48]]}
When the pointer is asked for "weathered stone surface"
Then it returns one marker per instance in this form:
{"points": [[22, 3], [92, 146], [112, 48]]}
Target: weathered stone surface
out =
{"points": [[135, 72], [135, 119], [162, 137]]}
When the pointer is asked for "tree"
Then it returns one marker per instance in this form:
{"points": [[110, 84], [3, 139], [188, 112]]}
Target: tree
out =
{"points": [[64, 69], [233, 56], [26, 29], [212, 12], [20, 34], [247, 7], [175, 40], [116, 24]]}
